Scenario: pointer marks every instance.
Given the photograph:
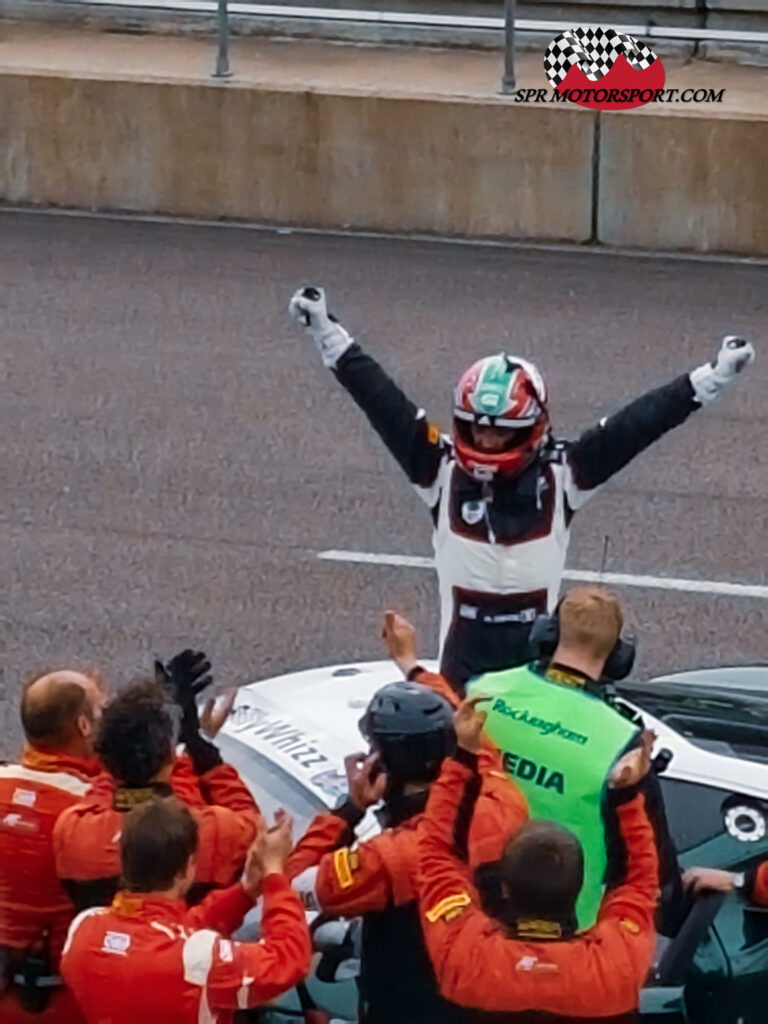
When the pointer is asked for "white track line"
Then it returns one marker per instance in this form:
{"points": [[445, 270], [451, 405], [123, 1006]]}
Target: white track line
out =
{"points": [[617, 579]]}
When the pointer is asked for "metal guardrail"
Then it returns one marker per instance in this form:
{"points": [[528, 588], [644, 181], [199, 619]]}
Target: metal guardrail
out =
{"points": [[480, 23], [509, 24]]}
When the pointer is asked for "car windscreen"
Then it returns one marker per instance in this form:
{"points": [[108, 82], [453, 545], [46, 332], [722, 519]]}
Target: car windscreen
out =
{"points": [[271, 786], [727, 722]]}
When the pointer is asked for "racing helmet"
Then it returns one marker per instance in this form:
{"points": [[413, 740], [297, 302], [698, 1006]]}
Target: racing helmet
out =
{"points": [[506, 392], [411, 728]]}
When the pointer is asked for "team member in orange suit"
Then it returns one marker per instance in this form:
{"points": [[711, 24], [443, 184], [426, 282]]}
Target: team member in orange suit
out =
{"points": [[513, 963], [149, 957], [59, 713], [410, 731], [136, 746]]}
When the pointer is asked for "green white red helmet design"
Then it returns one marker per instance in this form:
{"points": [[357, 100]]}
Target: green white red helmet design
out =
{"points": [[506, 392]]}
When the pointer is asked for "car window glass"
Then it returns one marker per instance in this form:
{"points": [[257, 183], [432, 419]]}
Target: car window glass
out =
{"points": [[693, 812], [713, 828], [723, 721], [732, 739]]}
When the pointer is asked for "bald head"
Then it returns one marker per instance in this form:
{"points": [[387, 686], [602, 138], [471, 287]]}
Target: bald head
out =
{"points": [[58, 710]]}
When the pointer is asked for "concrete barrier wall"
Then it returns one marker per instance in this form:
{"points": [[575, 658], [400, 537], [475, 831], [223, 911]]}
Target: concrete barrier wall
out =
{"points": [[448, 167], [471, 168], [684, 183]]}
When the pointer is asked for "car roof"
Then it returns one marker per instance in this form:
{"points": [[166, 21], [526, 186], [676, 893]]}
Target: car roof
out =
{"points": [[753, 678], [306, 723]]}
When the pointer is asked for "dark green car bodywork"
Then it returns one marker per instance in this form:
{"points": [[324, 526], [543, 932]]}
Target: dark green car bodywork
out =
{"points": [[726, 711]]}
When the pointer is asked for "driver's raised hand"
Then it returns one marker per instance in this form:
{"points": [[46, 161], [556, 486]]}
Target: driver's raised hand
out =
{"points": [[308, 306], [734, 357]]}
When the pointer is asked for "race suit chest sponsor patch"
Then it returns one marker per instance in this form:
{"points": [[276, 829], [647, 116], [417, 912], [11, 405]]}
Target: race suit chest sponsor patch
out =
{"points": [[24, 797], [472, 512], [529, 771], [546, 728], [116, 942]]}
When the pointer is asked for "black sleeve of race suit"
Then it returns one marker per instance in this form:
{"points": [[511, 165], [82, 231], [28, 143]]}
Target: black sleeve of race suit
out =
{"points": [[413, 441], [608, 447], [465, 808], [674, 904], [351, 815]]}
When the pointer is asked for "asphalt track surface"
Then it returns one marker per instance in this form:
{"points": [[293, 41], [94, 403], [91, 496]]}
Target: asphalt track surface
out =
{"points": [[174, 454]]}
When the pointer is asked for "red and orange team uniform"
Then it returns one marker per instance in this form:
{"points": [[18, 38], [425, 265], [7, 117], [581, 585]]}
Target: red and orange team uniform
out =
{"points": [[376, 880], [86, 838], [35, 911], [756, 885], [597, 974], [145, 959], [381, 871]]}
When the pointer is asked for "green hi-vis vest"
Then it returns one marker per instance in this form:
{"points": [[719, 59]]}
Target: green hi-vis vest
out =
{"points": [[558, 743]]}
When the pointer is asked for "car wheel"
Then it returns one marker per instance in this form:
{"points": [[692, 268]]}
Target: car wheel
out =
{"points": [[745, 819]]}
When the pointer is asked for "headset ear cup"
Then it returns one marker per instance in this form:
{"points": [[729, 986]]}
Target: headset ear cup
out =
{"points": [[621, 659], [544, 635]]}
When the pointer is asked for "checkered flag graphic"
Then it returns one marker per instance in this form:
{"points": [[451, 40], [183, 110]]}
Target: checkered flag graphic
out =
{"points": [[593, 51]]}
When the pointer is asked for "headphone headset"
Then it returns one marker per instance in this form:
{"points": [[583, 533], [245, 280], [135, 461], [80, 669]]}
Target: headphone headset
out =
{"points": [[545, 635]]}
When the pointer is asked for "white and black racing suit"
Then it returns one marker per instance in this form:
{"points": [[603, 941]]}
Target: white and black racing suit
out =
{"points": [[500, 546]]}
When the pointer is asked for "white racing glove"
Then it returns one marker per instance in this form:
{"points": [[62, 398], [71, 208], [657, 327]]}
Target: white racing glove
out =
{"points": [[710, 379], [309, 308]]}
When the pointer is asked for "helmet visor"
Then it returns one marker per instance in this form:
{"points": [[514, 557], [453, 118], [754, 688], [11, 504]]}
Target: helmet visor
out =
{"points": [[491, 440]]}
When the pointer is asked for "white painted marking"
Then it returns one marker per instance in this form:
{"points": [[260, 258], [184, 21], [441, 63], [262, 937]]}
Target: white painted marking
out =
{"points": [[617, 579], [406, 561]]}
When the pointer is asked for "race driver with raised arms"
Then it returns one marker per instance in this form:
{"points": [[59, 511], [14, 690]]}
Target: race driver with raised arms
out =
{"points": [[502, 490]]}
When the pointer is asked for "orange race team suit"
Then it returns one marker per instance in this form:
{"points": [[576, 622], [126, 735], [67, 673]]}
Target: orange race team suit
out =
{"points": [[87, 836], [157, 960], [756, 884], [35, 911], [381, 872], [377, 881], [372, 884], [595, 975]]}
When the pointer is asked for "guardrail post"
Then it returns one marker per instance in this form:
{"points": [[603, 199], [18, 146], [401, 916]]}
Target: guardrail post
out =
{"points": [[222, 33], [508, 81]]}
